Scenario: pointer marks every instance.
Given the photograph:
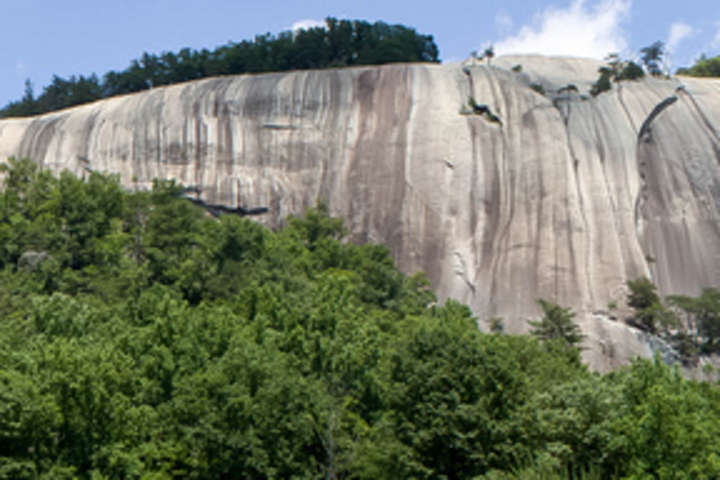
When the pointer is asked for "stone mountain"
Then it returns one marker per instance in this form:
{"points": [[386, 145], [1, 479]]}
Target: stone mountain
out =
{"points": [[520, 196]]}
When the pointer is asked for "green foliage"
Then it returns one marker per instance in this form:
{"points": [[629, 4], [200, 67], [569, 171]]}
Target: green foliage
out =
{"points": [[704, 67], [557, 325], [650, 314], [630, 71], [642, 293], [664, 425], [339, 43], [652, 57], [603, 83], [482, 110], [489, 53], [703, 318], [538, 88], [497, 325], [142, 339], [616, 70]]}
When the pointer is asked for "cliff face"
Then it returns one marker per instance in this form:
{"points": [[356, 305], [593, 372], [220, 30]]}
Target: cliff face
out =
{"points": [[565, 198]]}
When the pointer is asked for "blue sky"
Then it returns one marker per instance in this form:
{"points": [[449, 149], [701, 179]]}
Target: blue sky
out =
{"points": [[42, 37]]}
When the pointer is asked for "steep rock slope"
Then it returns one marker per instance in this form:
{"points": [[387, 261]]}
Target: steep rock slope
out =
{"points": [[565, 198]]}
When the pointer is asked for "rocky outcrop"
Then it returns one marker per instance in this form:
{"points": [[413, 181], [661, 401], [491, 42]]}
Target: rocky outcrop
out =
{"points": [[565, 197]]}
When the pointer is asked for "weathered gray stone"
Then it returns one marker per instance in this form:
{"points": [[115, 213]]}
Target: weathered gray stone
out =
{"points": [[564, 199]]}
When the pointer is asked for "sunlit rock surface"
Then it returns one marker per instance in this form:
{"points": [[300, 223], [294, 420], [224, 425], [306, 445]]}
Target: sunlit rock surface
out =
{"points": [[566, 198]]}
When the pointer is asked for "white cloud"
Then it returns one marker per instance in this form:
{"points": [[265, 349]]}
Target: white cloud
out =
{"points": [[306, 24], [578, 31], [678, 32]]}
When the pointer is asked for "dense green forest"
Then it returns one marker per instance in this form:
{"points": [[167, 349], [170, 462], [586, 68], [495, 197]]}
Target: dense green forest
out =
{"points": [[704, 67], [340, 43], [144, 339]]}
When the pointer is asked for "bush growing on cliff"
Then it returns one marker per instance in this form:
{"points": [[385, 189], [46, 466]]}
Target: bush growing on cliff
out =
{"points": [[702, 317], [616, 70], [690, 324], [602, 84], [557, 325], [537, 87], [650, 313]]}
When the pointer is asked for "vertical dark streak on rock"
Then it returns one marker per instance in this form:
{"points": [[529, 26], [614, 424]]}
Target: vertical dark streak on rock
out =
{"points": [[366, 83], [391, 222], [36, 140], [87, 135], [581, 205], [644, 137], [704, 118], [539, 217], [475, 159], [645, 129], [379, 154], [563, 105], [493, 208], [600, 148], [161, 171], [715, 136], [332, 158], [604, 165], [511, 181], [407, 194], [556, 249], [624, 107], [224, 142], [473, 205], [197, 120]]}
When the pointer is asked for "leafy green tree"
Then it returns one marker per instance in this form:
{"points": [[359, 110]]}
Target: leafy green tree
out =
{"points": [[573, 420], [557, 325], [665, 425], [650, 314], [630, 71], [652, 57]]}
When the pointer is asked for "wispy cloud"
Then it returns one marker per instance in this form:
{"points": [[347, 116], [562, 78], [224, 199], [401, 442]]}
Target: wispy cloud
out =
{"points": [[678, 32], [306, 24], [578, 30], [716, 41]]}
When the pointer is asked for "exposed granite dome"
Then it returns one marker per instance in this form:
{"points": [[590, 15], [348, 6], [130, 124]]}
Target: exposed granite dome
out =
{"points": [[565, 197]]}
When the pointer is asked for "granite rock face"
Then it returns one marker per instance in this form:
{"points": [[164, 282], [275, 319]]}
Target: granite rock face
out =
{"points": [[564, 197]]}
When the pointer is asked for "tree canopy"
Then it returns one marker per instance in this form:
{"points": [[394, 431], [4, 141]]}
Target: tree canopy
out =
{"points": [[339, 43], [652, 57], [704, 67], [144, 339]]}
